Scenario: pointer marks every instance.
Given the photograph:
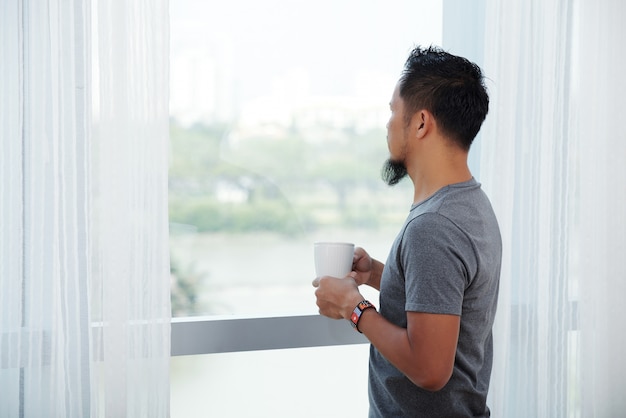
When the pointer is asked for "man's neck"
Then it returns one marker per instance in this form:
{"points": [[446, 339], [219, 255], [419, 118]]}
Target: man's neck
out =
{"points": [[427, 184], [433, 163]]}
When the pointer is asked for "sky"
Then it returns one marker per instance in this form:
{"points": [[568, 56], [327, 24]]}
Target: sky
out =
{"points": [[330, 40]]}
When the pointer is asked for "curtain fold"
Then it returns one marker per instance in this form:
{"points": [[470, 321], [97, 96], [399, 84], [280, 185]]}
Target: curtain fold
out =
{"points": [[602, 142], [550, 163], [84, 261], [130, 243]]}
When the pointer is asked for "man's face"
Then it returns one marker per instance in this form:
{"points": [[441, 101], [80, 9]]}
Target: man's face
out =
{"points": [[394, 168]]}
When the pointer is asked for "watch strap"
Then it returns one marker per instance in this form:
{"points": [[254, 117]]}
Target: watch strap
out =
{"points": [[358, 311]]}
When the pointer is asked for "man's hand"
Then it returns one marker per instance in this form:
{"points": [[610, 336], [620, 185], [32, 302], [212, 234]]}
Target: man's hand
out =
{"points": [[366, 269], [336, 298]]}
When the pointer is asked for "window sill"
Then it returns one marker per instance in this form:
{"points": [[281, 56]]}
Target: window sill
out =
{"points": [[209, 335]]}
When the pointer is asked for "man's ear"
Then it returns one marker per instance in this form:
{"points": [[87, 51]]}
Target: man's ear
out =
{"points": [[422, 122]]}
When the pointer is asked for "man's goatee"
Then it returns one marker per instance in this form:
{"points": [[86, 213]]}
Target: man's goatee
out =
{"points": [[393, 171]]}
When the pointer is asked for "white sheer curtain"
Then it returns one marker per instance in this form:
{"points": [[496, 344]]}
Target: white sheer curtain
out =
{"points": [[552, 162], [84, 263]]}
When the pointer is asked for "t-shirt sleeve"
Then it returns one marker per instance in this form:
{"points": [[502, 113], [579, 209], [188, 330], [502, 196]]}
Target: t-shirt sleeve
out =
{"points": [[437, 259]]}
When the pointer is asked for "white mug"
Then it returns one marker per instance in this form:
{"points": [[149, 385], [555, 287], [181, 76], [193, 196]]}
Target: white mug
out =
{"points": [[333, 258]]}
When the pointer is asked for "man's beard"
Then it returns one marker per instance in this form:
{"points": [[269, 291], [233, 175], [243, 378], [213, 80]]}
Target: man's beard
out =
{"points": [[393, 171]]}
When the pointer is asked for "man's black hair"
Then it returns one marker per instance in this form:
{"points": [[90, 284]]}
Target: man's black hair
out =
{"points": [[450, 87]]}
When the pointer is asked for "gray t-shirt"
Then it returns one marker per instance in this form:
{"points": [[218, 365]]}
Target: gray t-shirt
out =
{"points": [[445, 260]]}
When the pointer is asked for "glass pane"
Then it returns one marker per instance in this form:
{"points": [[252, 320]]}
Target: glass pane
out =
{"points": [[278, 113], [305, 382]]}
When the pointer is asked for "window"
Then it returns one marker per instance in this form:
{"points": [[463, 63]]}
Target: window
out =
{"points": [[278, 113]]}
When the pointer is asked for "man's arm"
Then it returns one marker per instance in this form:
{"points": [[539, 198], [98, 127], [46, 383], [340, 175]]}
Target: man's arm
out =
{"points": [[424, 352]]}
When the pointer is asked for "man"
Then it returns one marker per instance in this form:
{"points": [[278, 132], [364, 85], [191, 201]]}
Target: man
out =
{"points": [[431, 341]]}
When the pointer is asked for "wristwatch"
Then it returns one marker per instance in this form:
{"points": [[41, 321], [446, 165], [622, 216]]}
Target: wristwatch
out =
{"points": [[358, 311]]}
